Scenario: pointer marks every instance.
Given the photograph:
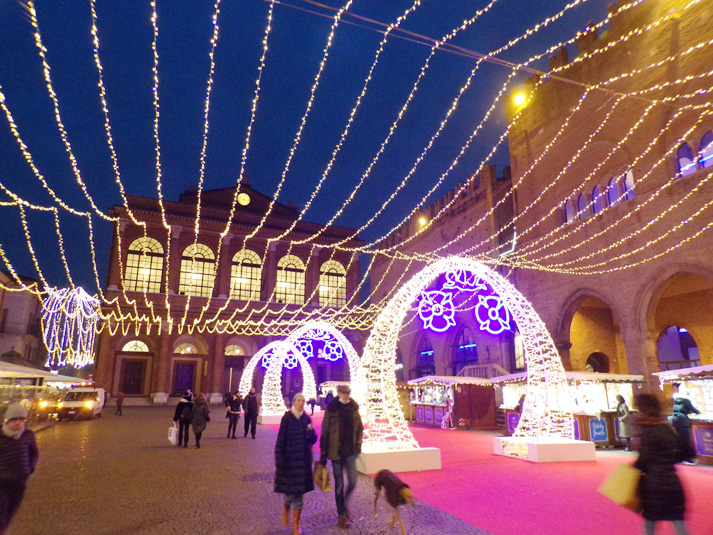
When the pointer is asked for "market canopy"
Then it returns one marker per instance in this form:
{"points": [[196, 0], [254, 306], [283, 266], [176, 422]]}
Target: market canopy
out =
{"points": [[15, 371], [682, 374], [577, 376], [448, 380]]}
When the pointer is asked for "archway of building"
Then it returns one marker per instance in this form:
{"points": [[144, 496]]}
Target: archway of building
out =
{"points": [[679, 319], [320, 330], [272, 400], [591, 330], [547, 411]]}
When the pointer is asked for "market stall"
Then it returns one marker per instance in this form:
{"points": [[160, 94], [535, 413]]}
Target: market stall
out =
{"points": [[460, 402], [593, 398], [697, 385]]}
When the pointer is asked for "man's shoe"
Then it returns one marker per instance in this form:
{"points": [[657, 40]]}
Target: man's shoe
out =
{"points": [[253, 437], [342, 522]]}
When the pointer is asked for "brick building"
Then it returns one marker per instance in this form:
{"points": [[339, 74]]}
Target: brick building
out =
{"points": [[256, 279]]}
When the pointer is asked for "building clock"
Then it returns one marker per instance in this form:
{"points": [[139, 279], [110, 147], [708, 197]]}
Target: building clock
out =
{"points": [[243, 199]]}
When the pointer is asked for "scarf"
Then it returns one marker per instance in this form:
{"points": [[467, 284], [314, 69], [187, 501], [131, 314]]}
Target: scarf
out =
{"points": [[12, 434], [298, 414]]}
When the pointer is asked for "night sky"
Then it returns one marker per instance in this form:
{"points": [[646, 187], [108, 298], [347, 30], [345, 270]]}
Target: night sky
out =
{"points": [[296, 46]]}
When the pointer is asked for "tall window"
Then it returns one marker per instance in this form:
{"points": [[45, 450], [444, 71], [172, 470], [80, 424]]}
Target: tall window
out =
{"points": [[197, 271], [465, 352], [597, 203], [627, 185], [144, 266], [135, 346], [613, 192], [581, 206], [426, 364], [686, 162], [245, 274], [705, 153], [332, 284], [290, 280], [569, 211]]}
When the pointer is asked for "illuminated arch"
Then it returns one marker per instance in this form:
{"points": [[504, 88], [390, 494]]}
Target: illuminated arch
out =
{"points": [[272, 402], [547, 412], [356, 372]]}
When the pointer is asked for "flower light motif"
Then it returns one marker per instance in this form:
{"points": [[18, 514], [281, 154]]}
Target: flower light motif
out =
{"points": [[266, 358], [305, 347], [462, 279], [333, 350], [492, 314], [436, 310]]}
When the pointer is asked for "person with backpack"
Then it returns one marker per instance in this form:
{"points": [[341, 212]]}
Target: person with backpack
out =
{"points": [[200, 416], [183, 417]]}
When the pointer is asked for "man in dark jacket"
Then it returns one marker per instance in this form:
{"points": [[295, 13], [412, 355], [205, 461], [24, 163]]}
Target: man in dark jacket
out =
{"points": [[340, 442], [18, 458], [182, 415], [250, 406], [682, 407]]}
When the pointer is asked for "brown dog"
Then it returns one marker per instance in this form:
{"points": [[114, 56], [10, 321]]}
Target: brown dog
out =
{"points": [[397, 493]]}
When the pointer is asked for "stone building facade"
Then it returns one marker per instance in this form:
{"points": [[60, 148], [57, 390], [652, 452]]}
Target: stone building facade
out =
{"points": [[257, 276]]}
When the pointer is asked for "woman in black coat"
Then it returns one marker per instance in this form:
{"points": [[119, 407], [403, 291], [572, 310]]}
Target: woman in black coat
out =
{"points": [[660, 489], [293, 460]]}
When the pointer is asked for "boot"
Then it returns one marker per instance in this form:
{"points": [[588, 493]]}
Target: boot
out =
{"points": [[296, 514], [285, 515]]}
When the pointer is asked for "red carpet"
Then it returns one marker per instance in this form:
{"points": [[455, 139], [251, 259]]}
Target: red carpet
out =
{"points": [[507, 496]]}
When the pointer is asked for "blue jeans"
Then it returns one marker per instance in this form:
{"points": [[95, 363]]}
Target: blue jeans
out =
{"points": [[295, 500], [338, 468], [678, 525]]}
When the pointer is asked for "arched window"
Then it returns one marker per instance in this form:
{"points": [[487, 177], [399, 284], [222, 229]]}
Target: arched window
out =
{"points": [[234, 350], [144, 266], [627, 185], [613, 193], [290, 280], [677, 349], [245, 275], [581, 206], [426, 364], [186, 349], [465, 351], [598, 363], [332, 284], [686, 162], [597, 204], [197, 271], [135, 346], [569, 211], [705, 153]]}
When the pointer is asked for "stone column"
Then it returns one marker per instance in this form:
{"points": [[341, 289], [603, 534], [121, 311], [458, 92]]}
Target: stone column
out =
{"points": [[312, 277], [216, 367], [269, 271], [104, 368], [563, 348], [162, 369], [224, 268], [174, 261]]}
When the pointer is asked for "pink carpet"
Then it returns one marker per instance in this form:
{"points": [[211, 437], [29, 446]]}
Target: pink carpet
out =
{"points": [[507, 496]]}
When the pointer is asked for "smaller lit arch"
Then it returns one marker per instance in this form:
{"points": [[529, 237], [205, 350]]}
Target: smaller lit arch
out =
{"points": [[597, 203], [627, 185], [234, 350], [290, 287], [582, 206], [186, 348], [136, 346], [613, 193], [686, 161], [569, 211]]}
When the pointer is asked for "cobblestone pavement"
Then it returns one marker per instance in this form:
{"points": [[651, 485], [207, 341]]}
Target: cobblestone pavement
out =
{"points": [[119, 475]]}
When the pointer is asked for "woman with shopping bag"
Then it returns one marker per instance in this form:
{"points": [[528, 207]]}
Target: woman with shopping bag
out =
{"points": [[293, 460]]}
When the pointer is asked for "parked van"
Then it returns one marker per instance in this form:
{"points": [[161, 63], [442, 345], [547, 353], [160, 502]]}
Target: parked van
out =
{"points": [[81, 402]]}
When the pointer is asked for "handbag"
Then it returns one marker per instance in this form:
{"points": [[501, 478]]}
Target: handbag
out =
{"points": [[173, 434], [320, 475], [622, 487]]}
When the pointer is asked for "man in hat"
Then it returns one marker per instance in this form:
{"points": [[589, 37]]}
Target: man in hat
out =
{"points": [[340, 442], [18, 458]]}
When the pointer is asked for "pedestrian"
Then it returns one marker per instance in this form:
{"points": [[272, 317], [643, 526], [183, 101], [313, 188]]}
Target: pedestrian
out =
{"points": [[119, 403], [200, 416], [182, 415], [328, 398], [340, 442], [293, 460], [18, 459], [312, 402], [234, 414], [682, 407], [626, 425], [251, 409], [190, 394], [660, 489]]}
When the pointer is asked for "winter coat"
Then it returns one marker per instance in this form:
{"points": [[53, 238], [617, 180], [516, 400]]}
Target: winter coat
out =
{"points": [[179, 409], [329, 440], [682, 407], [250, 404], [293, 455], [626, 425], [660, 488], [200, 414], [18, 458]]}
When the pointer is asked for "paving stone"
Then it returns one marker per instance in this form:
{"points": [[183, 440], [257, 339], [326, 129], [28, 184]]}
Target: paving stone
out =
{"points": [[119, 475]]}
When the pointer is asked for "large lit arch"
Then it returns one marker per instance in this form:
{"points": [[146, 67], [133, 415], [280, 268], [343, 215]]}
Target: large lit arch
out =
{"points": [[547, 412], [356, 372], [272, 402]]}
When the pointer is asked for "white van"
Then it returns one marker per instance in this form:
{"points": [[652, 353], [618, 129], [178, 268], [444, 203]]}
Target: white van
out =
{"points": [[81, 402]]}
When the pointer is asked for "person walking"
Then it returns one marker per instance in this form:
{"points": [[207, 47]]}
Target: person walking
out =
{"points": [[293, 460], [682, 407], [340, 442], [200, 416], [251, 409], [328, 398], [18, 459], [182, 415], [660, 489], [626, 426], [234, 414], [119, 403]]}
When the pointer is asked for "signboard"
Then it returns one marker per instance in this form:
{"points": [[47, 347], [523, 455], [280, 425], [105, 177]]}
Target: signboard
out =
{"points": [[598, 430], [576, 429], [419, 413], [429, 415], [513, 419], [438, 414], [703, 437]]}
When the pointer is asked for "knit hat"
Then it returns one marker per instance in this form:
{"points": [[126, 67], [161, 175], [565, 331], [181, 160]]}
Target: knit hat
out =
{"points": [[15, 410], [343, 389]]}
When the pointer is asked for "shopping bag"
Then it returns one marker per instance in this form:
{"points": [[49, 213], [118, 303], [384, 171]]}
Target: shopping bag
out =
{"points": [[173, 435], [321, 477], [622, 487]]}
